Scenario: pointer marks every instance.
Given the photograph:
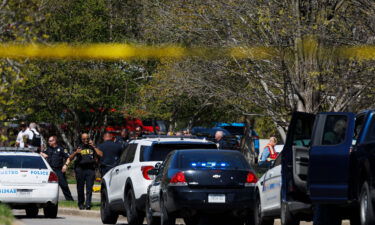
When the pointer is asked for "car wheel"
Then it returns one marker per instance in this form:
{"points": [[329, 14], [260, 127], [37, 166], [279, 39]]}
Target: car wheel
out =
{"points": [[106, 214], [366, 208], [287, 217], [133, 215], [326, 215], [166, 217], [50, 211], [32, 211], [151, 220], [258, 218]]}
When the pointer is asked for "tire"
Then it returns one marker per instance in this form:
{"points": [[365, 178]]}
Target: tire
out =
{"points": [[32, 211], [326, 215], [50, 211], [106, 214], [166, 217], [287, 217], [258, 218], [367, 216], [151, 220], [133, 215]]}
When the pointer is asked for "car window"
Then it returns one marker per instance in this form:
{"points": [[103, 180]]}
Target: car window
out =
{"points": [[158, 152], [22, 162], [334, 129], [212, 160], [129, 154], [278, 160], [302, 134], [370, 136], [359, 122]]}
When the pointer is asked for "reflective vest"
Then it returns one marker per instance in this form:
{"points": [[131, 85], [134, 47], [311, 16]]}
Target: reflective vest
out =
{"points": [[273, 153]]}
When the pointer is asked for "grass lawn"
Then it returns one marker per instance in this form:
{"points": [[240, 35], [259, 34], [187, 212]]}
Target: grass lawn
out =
{"points": [[6, 216], [74, 204]]}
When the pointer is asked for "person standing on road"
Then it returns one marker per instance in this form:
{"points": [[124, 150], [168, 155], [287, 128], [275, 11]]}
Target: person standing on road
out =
{"points": [[58, 159], [269, 154], [22, 136], [86, 159], [111, 153], [123, 139], [219, 139]]}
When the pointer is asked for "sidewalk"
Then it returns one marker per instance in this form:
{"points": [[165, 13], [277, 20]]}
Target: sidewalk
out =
{"points": [[73, 190]]}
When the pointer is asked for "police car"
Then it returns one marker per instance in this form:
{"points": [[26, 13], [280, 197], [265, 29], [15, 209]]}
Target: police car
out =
{"points": [[268, 191], [28, 182]]}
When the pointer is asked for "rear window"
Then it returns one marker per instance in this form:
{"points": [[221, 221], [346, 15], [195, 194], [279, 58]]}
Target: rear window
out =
{"points": [[212, 160], [22, 162], [158, 152]]}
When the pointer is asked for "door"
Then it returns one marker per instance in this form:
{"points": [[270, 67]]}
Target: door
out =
{"points": [[119, 174], [328, 175], [299, 137], [272, 187]]}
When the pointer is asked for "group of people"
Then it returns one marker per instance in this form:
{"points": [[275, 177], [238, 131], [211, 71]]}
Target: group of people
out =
{"points": [[87, 158]]}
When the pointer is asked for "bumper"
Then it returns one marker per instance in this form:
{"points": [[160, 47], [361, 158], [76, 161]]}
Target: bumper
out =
{"points": [[39, 194], [193, 200]]}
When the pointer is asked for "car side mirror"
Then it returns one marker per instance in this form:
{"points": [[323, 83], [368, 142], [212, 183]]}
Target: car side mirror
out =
{"points": [[153, 172]]}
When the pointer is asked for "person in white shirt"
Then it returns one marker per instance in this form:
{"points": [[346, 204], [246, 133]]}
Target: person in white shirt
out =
{"points": [[34, 131], [22, 136]]}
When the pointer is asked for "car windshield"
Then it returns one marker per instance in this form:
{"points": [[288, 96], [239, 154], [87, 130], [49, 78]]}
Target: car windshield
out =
{"points": [[158, 152], [212, 160], [22, 162]]}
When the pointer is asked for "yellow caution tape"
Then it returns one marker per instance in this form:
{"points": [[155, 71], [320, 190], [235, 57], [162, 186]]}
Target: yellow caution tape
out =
{"points": [[128, 52]]}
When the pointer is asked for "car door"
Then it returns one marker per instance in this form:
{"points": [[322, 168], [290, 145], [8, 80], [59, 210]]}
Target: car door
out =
{"points": [[272, 186], [294, 153], [119, 174], [328, 176]]}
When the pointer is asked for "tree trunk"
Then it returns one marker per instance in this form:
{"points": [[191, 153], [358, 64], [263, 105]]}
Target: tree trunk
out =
{"points": [[64, 137]]}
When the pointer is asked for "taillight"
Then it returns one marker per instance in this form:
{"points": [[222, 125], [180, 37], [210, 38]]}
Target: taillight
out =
{"points": [[255, 137], [53, 178], [178, 179], [145, 170], [251, 178]]}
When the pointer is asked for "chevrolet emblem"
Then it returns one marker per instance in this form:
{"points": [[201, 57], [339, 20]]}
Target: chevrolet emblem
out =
{"points": [[216, 176]]}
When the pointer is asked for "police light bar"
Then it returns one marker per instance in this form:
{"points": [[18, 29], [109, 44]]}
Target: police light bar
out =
{"points": [[16, 149]]}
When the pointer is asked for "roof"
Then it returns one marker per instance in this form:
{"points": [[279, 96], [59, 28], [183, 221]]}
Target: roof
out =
{"points": [[208, 150], [20, 153], [173, 140]]}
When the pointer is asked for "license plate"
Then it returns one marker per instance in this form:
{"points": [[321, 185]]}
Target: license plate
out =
{"points": [[24, 193], [216, 198]]}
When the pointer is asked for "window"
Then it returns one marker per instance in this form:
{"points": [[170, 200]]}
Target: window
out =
{"points": [[22, 162], [334, 129], [129, 153], [158, 152], [359, 121], [278, 160], [303, 131], [370, 136]]}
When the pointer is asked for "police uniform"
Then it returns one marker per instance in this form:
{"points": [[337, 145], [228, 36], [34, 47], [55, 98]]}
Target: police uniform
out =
{"points": [[111, 154], [85, 165], [56, 159]]}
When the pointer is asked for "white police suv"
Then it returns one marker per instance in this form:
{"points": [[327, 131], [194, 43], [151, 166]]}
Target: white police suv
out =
{"points": [[124, 188], [28, 182], [268, 191]]}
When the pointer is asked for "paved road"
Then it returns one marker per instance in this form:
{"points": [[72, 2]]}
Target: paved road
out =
{"points": [[76, 220]]}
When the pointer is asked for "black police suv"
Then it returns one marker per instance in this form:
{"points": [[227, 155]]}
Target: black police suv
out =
{"points": [[190, 183]]}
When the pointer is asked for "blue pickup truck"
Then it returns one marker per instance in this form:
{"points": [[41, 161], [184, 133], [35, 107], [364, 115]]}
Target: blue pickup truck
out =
{"points": [[328, 169]]}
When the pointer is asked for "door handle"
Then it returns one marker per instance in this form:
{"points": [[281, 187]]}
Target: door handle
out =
{"points": [[129, 167]]}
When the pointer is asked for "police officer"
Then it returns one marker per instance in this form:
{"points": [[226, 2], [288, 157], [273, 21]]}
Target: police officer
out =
{"points": [[111, 153], [86, 159], [58, 159], [219, 140], [123, 139]]}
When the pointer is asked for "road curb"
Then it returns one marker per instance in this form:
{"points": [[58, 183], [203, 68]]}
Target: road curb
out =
{"points": [[77, 212]]}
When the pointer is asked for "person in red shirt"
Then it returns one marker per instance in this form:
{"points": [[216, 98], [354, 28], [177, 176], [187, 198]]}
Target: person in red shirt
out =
{"points": [[269, 153]]}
